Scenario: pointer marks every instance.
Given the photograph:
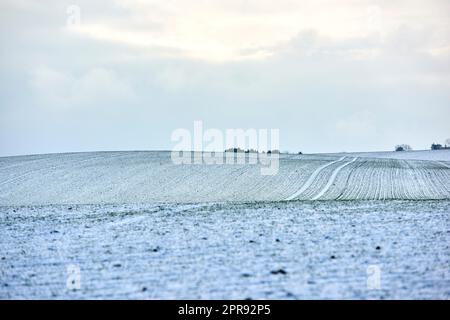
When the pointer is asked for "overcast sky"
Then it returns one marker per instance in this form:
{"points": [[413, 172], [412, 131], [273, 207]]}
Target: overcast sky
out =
{"points": [[331, 75]]}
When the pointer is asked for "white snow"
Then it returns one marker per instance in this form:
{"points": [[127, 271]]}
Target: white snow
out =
{"points": [[332, 178], [311, 179], [436, 155], [138, 226], [227, 251], [149, 177]]}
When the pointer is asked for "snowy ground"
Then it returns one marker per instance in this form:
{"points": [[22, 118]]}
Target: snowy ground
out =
{"points": [[138, 226], [276, 250], [149, 177], [437, 155]]}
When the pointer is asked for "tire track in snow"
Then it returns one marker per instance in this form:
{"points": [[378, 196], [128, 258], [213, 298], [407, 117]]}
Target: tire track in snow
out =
{"points": [[443, 164], [311, 179], [332, 178]]}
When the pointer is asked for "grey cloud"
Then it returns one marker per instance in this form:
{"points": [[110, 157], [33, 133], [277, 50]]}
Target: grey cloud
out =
{"points": [[60, 91]]}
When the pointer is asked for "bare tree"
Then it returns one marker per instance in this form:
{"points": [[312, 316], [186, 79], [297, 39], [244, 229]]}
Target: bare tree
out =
{"points": [[447, 142]]}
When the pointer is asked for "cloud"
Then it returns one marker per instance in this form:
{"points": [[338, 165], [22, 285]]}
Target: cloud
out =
{"points": [[358, 126], [97, 87], [317, 70], [234, 30]]}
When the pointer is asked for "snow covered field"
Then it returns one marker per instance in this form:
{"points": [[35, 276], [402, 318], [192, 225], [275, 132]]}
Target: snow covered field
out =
{"points": [[437, 155], [277, 250], [148, 177], [136, 225]]}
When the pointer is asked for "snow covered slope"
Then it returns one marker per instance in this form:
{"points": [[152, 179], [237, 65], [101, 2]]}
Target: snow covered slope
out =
{"points": [[145, 177], [436, 155]]}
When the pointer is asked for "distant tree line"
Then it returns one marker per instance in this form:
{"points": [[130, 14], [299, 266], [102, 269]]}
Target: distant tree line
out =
{"points": [[236, 150], [434, 146], [438, 146]]}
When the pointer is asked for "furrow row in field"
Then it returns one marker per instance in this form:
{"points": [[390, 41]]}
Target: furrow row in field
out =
{"points": [[370, 181], [66, 180], [13, 174], [430, 184], [386, 179], [341, 181]]}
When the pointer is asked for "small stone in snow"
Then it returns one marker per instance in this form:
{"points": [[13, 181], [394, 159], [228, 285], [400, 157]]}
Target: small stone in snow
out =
{"points": [[279, 271], [289, 295]]}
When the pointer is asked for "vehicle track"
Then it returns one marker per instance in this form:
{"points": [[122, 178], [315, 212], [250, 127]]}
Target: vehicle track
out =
{"points": [[311, 179], [332, 178], [443, 164]]}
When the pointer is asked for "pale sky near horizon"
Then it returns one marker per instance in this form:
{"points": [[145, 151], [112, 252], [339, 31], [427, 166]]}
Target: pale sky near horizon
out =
{"points": [[123, 75]]}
